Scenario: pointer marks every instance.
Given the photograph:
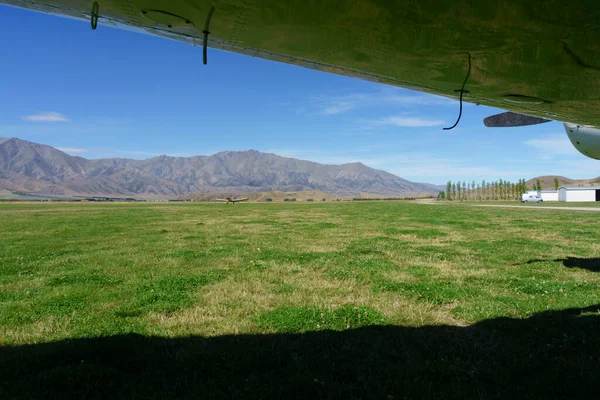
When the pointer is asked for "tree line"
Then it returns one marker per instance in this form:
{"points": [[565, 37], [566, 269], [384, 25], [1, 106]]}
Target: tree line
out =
{"points": [[497, 190]]}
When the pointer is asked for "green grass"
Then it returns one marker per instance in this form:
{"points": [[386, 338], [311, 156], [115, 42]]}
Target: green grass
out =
{"points": [[542, 204], [385, 283], [305, 319]]}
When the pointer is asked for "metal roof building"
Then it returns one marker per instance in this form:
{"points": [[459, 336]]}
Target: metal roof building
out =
{"points": [[580, 193]]}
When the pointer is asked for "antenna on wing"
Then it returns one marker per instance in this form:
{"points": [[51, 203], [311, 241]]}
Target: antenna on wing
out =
{"points": [[206, 33], [461, 91], [95, 15]]}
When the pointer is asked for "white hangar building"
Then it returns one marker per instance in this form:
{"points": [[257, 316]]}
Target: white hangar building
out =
{"points": [[549, 195], [582, 193]]}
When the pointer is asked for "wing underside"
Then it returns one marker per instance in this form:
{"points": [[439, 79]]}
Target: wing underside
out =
{"points": [[535, 58]]}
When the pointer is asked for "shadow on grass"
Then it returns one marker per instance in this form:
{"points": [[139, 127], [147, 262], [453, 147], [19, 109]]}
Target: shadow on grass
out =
{"points": [[552, 354], [591, 264]]}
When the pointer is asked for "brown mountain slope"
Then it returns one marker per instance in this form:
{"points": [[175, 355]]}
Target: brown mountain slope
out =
{"points": [[547, 181], [46, 170]]}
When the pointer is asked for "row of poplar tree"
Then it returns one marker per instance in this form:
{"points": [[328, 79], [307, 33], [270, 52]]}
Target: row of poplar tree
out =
{"points": [[498, 190]]}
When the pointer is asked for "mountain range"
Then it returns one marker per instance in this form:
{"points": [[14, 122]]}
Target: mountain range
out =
{"points": [[31, 167]]}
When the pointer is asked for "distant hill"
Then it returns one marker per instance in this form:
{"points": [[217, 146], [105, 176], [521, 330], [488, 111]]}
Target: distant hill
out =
{"points": [[32, 167], [547, 181]]}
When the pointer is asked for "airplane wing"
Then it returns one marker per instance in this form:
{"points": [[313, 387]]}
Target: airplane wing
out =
{"points": [[244, 199], [531, 57]]}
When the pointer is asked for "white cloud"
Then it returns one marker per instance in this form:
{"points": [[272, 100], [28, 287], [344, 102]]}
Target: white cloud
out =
{"points": [[439, 171], [558, 156], [337, 108], [424, 167], [421, 100], [333, 105], [72, 150], [553, 146], [405, 121], [340, 104], [46, 117]]}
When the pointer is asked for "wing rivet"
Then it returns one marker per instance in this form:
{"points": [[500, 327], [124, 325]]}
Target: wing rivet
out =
{"points": [[95, 15]]}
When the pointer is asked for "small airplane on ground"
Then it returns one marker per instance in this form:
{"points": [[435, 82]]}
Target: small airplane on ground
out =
{"points": [[233, 199]]}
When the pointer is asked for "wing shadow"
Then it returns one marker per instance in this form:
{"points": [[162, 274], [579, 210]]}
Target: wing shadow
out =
{"points": [[554, 354], [591, 264]]}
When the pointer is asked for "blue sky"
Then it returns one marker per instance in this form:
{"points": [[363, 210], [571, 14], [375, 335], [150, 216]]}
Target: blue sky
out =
{"points": [[112, 93]]}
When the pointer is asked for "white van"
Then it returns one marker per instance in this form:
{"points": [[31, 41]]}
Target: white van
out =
{"points": [[530, 198]]}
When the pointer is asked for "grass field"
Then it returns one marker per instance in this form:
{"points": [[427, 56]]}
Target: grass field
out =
{"points": [[542, 204], [335, 300], [519, 204]]}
